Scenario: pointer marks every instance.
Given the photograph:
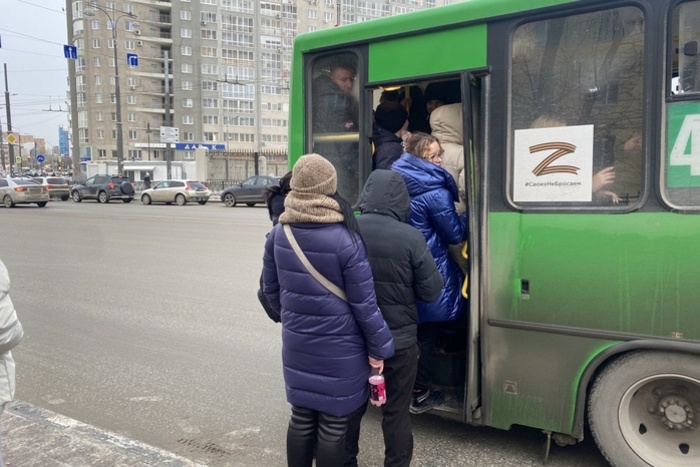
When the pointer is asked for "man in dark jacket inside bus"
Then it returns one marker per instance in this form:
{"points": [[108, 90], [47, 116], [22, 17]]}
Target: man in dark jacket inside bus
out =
{"points": [[404, 271], [390, 122]]}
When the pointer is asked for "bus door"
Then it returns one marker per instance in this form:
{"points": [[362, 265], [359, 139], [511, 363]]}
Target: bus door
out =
{"points": [[459, 124]]}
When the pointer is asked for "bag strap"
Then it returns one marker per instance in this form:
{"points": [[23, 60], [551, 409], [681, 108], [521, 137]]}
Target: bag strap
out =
{"points": [[337, 291]]}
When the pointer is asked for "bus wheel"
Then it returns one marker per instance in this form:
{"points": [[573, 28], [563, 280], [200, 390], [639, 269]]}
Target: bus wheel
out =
{"points": [[644, 409]]}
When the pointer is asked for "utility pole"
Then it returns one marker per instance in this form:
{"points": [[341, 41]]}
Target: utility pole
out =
{"points": [[10, 148], [75, 134], [2, 148], [168, 119]]}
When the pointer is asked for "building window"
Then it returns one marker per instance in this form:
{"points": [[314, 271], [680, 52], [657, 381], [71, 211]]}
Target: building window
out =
{"points": [[186, 67], [186, 33], [187, 102], [186, 85], [133, 134], [131, 116], [185, 14], [131, 99], [100, 134], [102, 153], [187, 120], [98, 98], [95, 43]]}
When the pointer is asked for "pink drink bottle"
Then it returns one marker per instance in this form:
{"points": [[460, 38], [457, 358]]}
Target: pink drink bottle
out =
{"points": [[377, 390]]}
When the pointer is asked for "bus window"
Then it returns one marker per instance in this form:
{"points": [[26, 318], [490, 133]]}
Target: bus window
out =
{"points": [[576, 89], [681, 183], [335, 118], [687, 42]]}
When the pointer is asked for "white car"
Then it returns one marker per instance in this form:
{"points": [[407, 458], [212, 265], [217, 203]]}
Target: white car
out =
{"points": [[22, 191], [58, 187], [176, 191]]}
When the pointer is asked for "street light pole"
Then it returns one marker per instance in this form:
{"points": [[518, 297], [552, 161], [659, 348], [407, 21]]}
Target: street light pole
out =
{"points": [[148, 132], [117, 90]]}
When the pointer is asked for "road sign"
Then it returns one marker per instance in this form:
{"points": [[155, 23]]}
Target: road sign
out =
{"points": [[11, 138], [132, 59], [40, 158], [18, 159], [169, 134], [70, 51]]}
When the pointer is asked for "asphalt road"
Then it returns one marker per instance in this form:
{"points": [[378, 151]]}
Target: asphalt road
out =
{"points": [[143, 320]]}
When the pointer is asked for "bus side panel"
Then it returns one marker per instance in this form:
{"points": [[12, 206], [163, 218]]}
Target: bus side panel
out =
{"points": [[622, 273], [533, 381], [427, 54], [593, 272]]}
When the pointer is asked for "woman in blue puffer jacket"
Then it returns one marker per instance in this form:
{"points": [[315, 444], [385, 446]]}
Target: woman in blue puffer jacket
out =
{"points": [[433, 194], [329, 344]]}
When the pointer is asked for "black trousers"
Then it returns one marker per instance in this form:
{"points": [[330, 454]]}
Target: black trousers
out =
{"points": [[427, 339], [333, 438], [399, 376]]}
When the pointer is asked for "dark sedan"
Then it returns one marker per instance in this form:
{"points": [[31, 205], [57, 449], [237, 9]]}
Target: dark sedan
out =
{"points": [[250, 191]]}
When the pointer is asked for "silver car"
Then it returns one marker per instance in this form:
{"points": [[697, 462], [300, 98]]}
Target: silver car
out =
{"points": [[176, 191], [58, 187], [22, 191]]}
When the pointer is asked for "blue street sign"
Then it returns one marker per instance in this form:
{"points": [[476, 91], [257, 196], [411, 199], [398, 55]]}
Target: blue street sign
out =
{"points": [[40, 158], [70, 51], [132, 59]]}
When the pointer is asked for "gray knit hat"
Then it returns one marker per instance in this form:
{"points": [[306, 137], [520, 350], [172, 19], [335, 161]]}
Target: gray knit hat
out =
{"points": [[314, 174]]}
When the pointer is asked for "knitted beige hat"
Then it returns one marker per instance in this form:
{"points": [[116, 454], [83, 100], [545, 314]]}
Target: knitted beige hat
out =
{"points": [[314, 182], [314, 174]]}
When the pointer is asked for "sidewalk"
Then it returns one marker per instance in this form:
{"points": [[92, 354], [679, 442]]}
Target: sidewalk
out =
{"points": [[32, 436]]}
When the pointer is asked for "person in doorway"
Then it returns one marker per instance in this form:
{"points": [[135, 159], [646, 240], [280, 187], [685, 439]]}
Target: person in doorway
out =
{"points": [[330, 343], [404, 271], [433, 194], [446, 122], [11, 334], [147, 180], [390, 124]]}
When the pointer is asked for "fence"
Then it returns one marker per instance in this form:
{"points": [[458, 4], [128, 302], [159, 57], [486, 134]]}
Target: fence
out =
{"points": [[227, 168]]}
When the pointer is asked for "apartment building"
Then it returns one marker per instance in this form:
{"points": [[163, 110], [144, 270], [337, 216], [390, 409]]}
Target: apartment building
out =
{"points": [[226, 73]]}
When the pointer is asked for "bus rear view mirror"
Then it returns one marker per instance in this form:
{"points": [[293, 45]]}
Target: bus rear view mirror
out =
{"points": [[690, 49]]}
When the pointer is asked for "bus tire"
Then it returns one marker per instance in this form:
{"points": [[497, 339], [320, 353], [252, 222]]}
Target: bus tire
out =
{"points": [[644, 409]]}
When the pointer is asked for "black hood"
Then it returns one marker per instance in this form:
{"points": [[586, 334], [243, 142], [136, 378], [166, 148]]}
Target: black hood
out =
{"points": [[385, 193]]}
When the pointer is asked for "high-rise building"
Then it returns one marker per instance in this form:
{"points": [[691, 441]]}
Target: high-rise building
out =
{"points": [[227, 69]]}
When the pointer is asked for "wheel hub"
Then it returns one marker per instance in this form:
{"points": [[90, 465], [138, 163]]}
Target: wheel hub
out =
{"points": [[676, 412]]}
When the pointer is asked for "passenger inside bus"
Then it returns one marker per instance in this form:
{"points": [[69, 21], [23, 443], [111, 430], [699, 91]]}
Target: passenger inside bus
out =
{"points": [[446, 123], [390, 124], [335, 116]]}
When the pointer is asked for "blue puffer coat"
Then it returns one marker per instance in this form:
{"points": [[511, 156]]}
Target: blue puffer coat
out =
{"points": [[433, 193], [325, 340]]}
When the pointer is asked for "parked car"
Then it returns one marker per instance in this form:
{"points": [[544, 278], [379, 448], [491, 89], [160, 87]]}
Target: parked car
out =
{"points": [[57, 187], [104, 188], [22, 191], [250, 191], [176, 191]]}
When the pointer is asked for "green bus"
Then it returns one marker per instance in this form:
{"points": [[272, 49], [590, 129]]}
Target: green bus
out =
{"points": [[583, 304]]}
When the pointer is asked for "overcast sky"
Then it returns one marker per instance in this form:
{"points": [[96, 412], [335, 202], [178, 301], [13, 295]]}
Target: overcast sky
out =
{"points": [[33, 33]]}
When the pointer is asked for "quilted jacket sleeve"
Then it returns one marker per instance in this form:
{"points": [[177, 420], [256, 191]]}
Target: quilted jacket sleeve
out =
{"points": [[450, 227], [11, 331], [271, 285]]}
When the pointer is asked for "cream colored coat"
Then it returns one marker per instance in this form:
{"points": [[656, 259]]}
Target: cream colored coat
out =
{"points": [[11, 333], [446, 125]]}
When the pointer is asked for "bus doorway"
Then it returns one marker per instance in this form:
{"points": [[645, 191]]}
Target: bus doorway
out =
{"points": [[451, 109]]}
